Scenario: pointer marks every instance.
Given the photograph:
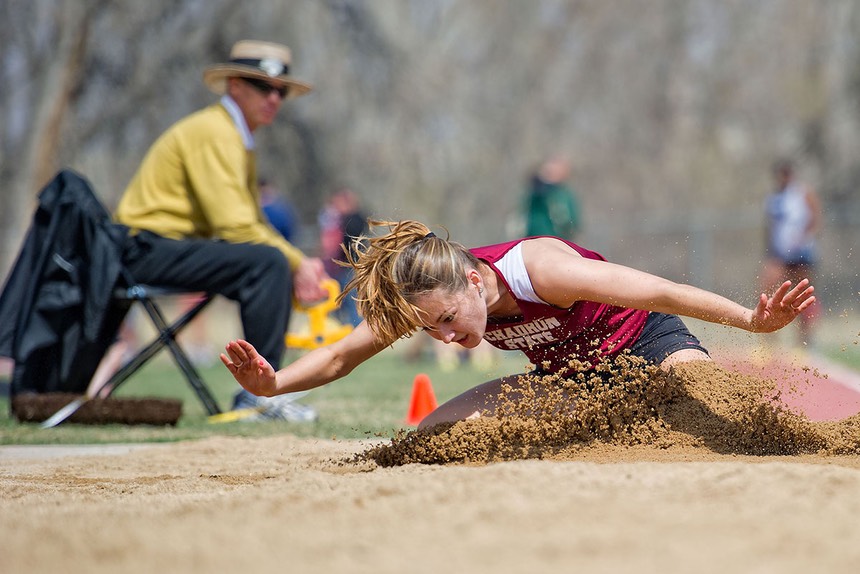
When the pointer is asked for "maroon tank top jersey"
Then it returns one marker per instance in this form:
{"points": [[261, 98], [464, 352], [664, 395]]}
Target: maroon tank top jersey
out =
{"points": [[548, 335]]}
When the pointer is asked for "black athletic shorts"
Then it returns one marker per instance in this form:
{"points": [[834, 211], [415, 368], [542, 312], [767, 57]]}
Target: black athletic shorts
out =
{"points": [[663, 335]]}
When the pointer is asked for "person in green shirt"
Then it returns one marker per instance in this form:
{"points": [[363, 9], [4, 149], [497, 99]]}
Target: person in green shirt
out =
{"points": [[194, 215], [551, 207]]}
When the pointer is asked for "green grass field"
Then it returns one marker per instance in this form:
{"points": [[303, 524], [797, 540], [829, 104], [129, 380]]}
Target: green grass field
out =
{"points": [[372, 401]]}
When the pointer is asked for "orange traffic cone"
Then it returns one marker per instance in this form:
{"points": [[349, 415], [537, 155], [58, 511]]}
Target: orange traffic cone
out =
{"points": [[423, 400]]}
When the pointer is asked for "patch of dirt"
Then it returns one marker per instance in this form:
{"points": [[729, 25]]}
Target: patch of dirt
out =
{"points": [[32, 407]]}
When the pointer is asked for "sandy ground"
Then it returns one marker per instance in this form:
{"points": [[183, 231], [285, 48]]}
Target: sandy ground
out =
{"points": [[261, 505], [664, 488]]}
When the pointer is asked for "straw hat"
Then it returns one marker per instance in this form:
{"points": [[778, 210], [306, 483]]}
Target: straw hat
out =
{"points": [[254, 59]]}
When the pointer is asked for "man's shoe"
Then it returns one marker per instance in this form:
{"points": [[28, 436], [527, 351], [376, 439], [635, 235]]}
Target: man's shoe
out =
{"points": [[286, 408], [281, 407]]}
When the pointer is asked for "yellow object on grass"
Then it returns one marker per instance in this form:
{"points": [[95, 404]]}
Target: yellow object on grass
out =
{"points": [[234, 415], [321, 328]]}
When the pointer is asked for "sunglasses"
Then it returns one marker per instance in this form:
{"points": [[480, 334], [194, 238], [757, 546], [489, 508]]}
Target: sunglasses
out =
{"points": [[266, 88]]}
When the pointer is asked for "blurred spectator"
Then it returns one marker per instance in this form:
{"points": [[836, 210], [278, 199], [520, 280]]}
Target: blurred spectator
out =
{"points": [[331, 236], [278, 210], [342, 221], [551, 207], [793, 219], [193, 212]]}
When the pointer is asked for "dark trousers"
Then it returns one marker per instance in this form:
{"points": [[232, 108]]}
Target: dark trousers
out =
{"points": [[258, 277]]}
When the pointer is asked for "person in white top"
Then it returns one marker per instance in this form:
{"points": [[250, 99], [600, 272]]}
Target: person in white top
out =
{"points": [[793, 218]]}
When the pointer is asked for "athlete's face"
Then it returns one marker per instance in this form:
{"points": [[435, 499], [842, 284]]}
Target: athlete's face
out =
{"points": [[459, 317]]}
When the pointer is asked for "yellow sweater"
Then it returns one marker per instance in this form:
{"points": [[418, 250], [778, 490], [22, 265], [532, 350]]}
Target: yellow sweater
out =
{"points": [[198, 180]]}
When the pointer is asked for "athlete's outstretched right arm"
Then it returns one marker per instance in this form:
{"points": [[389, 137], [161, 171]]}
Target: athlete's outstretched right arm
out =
{"points": [[313, 369]]}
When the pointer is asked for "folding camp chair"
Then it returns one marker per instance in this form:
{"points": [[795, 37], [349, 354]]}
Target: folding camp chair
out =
{"points": [[68, 293], [146, 295], [166, 333]]}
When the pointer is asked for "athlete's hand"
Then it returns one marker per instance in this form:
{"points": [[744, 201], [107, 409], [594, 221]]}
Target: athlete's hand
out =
{"points": [[249, 368], [775, 312]]}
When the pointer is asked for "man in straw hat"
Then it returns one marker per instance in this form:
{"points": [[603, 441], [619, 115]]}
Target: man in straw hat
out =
{"points": [[193, 209]]}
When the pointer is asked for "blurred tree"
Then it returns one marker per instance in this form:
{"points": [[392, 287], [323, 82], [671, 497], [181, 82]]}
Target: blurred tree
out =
{"points": [[435, 109]]}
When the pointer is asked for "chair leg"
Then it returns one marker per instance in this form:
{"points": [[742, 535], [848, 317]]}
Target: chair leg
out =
{"points": [[167, 338]]}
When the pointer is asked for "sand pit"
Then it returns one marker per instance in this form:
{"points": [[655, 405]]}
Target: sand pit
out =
{"points": [[698, 471]]}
